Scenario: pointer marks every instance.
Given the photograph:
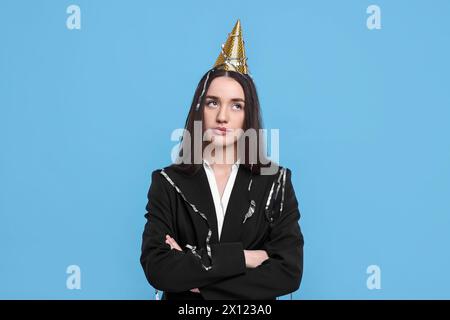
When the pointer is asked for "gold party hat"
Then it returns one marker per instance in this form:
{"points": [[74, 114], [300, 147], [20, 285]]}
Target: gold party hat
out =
{"points": [[232, 57]]}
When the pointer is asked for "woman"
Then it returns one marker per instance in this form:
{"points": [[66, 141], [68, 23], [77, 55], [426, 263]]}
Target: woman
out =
{"points": [[222, 222]]}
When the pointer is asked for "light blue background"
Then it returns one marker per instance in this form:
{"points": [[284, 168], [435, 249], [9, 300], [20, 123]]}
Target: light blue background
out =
{"points": [[86, 116]]}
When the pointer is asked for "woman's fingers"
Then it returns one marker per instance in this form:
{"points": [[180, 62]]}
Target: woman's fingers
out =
{"points": [[254, 258], [172, 243], [169, 241]]}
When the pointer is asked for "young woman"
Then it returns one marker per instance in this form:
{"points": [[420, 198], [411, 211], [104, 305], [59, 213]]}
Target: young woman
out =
{"points": [[222, 222]]}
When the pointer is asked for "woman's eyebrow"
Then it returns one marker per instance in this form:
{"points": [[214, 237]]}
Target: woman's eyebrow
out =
{"points": [[217, 98]]}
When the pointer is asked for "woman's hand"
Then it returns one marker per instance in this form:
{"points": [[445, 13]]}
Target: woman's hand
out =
{"points": [[254, 258], [174, 245]]}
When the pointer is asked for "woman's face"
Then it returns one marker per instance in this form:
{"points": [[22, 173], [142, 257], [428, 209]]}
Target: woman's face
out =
{"points": [[224, 111]]}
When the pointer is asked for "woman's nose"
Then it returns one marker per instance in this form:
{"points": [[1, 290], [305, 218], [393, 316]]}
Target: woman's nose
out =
{"points": [[222, 115]]}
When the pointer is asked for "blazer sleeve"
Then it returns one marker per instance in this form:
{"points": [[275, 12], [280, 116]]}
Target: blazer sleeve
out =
{"points": [[282, 272], [173, 270]]}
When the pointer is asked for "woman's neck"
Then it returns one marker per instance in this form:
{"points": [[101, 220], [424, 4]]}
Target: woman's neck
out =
{"points": [[222, 156]]}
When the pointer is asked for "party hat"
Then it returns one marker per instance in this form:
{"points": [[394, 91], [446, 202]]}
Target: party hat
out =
{"points": [[232, 56]]}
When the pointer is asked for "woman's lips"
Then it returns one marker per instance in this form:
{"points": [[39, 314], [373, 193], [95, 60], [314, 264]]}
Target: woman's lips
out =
{"points": [[221, 131]]}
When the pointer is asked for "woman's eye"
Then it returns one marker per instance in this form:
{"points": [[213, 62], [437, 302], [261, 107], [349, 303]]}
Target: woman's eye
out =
{"points": [[237, 107], [211, 103]]}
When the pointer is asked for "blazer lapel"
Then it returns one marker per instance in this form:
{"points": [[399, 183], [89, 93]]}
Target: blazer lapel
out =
{"points": [[196, 190], [237, 207]]}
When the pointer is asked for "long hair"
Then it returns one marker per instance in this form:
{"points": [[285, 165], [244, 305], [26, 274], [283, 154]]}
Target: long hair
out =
{"points": [[252, 120]]}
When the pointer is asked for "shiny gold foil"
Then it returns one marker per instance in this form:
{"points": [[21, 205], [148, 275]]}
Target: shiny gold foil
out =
{"points": [[232, 57]]}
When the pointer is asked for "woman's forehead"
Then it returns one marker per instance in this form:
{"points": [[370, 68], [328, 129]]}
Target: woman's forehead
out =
{"points": [[225, 87]]}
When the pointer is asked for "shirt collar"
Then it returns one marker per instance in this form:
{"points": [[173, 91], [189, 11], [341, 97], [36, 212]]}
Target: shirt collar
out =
{"points": [[234, 165]]}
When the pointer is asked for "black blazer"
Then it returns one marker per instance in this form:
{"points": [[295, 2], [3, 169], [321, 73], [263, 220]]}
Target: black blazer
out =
{"points": [[182, 206]]}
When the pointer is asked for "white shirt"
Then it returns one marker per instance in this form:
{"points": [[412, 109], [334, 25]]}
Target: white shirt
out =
{"points": [[220, 204]]}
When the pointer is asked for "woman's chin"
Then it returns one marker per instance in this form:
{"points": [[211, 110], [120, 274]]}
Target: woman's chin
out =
{"points": [[222, 141]]}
